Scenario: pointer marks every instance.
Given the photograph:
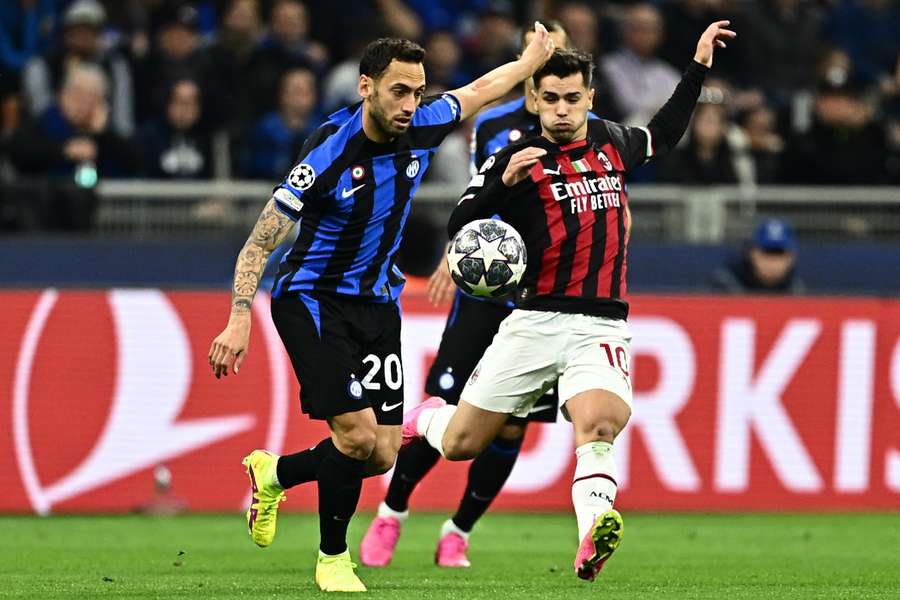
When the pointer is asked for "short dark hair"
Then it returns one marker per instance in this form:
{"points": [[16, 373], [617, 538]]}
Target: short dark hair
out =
{"points": [[379, 54], [550, 25], [564, 62]]}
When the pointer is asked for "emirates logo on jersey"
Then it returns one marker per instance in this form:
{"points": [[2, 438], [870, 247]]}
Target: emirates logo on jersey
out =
{"points": [[590, 193]]}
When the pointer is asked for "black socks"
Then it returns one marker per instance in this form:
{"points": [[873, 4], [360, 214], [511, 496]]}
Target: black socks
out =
{"points": [[301, 467], [340, 482], [488, 473], [413, 463]]}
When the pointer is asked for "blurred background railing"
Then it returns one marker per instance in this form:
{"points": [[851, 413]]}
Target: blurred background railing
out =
{"points": [[662, 213]]}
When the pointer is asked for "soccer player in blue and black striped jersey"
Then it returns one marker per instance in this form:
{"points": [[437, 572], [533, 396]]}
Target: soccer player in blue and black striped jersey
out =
{"points": [[334, 302]]}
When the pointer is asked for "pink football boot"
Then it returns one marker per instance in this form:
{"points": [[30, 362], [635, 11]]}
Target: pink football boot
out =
{"points": [[377, 547], [599, 544], [451, 551], [410, 429]]}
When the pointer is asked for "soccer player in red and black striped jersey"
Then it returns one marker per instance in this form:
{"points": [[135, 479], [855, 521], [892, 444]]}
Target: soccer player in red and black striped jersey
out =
{"points": [[565, 193]]}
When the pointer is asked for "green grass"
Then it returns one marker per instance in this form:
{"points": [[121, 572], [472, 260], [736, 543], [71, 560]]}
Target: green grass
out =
{"points": [[514, 556]]}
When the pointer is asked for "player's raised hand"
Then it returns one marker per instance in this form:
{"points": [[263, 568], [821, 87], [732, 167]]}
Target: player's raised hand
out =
{"points": [[229, 349], [440, 287], [539, 49], [519, 165], [714, 37]]}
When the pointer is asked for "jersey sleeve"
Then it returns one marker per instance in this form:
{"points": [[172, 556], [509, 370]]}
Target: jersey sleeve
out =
{"points": [[485, 196], [634, 144], [435, 118], [300, 189]]}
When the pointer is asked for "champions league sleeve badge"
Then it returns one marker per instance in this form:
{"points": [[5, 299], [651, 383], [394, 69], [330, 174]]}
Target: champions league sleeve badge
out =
{"points": [[302, 177]]}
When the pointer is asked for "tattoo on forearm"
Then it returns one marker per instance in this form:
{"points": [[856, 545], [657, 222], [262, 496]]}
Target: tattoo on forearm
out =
{"points": [[270, 231]]}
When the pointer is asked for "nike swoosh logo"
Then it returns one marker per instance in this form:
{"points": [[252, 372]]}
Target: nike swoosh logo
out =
{"points": [[549, 172], [388, 408], [348, 193]]}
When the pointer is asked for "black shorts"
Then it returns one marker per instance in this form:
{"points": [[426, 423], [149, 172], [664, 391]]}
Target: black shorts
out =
{"points": [[470, 328], [345, 352]]}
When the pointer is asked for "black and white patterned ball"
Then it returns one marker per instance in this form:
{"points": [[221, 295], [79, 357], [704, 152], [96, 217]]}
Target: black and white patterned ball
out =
{"points": [[487, 258]]}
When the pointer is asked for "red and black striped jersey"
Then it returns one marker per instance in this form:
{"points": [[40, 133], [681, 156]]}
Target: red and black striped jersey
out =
{"points": [[572, 209], [571, 212]]}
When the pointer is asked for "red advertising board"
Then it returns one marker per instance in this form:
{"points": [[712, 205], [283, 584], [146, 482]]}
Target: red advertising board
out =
{"points": [[740, 403]]}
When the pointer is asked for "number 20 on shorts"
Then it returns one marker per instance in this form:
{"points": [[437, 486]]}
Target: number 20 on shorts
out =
{"points": [[393, 372]]}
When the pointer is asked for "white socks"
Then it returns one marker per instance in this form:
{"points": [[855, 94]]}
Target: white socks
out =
{"points": [[594, 487], [433, 423], [386, 511], [450, 527]]}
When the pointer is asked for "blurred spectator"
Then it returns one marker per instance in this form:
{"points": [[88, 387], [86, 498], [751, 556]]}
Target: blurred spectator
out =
{"points": [[640, 82], [785, 39], [582, 24], [892, 113], [231, 51], [869, 30], [442, 63], [178, 53], [276, 139], [766, 265], [82, 25], [177, 147], [444, 15], [764, 144], [496, 39], [344, 25], [25, 29], [706, 158], [286, 47], [71, 140], [686, 20], [342, 83], [844, 145]]}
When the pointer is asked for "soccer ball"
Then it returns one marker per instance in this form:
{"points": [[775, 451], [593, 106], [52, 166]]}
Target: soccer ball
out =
{"points": [[487, 258]]}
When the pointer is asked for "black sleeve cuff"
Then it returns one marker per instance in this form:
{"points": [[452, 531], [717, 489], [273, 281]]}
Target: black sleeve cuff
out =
{"points": [[696, 71]]}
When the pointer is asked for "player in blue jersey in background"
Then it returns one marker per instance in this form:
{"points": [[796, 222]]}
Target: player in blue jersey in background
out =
{"points": [[471, 324], [335, 297]]}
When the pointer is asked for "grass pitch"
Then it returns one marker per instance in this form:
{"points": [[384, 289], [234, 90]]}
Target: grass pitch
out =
{"points": [[514, 556]]}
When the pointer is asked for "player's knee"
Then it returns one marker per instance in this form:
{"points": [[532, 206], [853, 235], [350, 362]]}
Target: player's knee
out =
{"points": [[461, 446], [358, 442], [601, 430]]}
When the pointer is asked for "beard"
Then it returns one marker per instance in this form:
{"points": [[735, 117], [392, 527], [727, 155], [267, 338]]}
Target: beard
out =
{"points": [[382, 121]]}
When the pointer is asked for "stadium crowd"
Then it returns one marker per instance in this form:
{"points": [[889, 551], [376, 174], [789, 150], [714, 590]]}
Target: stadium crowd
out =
{"points": [[231, 88]]}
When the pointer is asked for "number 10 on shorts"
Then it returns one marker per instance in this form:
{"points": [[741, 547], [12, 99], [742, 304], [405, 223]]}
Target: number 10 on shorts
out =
{"points": [[617, 356]]}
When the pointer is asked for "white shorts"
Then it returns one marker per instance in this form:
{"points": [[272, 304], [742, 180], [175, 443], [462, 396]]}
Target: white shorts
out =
{"points": [[535, 350]]}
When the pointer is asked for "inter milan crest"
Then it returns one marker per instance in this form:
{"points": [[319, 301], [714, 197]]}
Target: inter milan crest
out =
{"points": [[355, 389], [412, 169], [357, 172], [302, 177]]}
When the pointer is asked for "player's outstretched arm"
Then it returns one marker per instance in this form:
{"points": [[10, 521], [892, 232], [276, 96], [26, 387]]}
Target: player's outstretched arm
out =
{"points": [[497, 83], [670, 123], [230, 347]]}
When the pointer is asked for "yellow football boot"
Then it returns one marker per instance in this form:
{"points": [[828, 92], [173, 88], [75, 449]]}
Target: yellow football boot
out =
{"points": [[335, 574], [266, 496]]}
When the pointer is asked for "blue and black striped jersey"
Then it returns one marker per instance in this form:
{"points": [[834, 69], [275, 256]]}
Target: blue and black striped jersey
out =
{"points": [[352, 197]]}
